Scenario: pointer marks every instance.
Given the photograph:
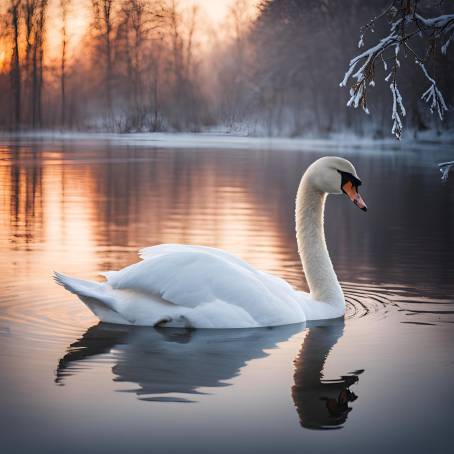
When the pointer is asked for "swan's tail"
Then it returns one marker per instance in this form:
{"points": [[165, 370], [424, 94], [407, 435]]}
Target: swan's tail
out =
{"points": [[77, 286], [94, 295]]}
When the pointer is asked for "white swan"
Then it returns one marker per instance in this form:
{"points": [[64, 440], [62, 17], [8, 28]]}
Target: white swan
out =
{"points": [[201, 287]]}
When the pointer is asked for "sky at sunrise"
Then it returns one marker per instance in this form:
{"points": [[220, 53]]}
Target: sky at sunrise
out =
{"points": [[215, 11]]}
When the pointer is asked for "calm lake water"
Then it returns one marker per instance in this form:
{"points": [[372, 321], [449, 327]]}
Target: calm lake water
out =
{"points": [[383, 378]]}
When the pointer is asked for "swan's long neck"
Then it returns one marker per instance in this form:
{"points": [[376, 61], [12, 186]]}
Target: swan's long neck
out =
{"points": [[310, 234]]}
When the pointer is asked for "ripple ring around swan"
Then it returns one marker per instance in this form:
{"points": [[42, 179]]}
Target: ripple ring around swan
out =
{"points": [[366, 300]]}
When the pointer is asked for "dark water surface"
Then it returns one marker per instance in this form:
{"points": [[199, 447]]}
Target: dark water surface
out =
{"points": [[384, 378]]}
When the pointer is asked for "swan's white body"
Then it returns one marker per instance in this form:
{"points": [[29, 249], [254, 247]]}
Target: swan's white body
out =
{"points": [[201, 287]]}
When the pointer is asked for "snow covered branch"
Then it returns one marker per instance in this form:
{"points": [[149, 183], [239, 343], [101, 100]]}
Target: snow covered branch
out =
{"points": [[445, 167], [405, 25], [433, 95]]}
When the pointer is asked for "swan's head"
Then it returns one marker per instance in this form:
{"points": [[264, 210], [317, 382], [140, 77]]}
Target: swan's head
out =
{"points": [[334, 175]]}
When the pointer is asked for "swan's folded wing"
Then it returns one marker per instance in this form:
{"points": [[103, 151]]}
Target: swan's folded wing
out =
{"points": [[208, 281], [190, 277], [162, 249]]}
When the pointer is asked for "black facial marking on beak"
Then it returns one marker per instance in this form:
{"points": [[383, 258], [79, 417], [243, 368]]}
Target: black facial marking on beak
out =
{"points": [[346, 177], [349, 186]]}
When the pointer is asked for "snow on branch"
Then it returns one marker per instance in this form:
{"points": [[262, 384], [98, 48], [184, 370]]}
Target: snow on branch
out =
{"points": [[405, 25], [445, 167], [397, 105], [433, 95]]}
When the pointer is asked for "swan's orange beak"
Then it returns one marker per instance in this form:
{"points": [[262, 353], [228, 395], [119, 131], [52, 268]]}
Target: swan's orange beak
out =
{"points": [[352, 191]]}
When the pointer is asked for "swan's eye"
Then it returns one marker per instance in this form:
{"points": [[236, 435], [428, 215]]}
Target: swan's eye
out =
{"points": [[348, 177]]}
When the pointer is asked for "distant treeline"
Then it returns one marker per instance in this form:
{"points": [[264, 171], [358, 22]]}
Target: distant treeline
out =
{"points": [[153, 65]]}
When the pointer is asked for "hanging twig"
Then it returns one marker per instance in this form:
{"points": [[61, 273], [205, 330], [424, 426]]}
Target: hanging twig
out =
{"points": [[445, 167]]}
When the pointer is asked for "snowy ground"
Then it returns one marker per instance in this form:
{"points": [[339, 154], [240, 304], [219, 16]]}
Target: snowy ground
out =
{"points": [[218, 140]]}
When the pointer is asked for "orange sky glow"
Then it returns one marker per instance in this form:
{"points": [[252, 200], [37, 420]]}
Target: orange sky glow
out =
{"points": [[215, 11], [213, 14]]}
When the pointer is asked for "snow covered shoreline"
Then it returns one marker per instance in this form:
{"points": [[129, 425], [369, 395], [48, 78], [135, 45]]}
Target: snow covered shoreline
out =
{"points": [[212, 140]]}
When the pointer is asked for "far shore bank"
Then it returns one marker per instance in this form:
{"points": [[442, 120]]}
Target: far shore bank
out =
{"points": [[230, 141]]}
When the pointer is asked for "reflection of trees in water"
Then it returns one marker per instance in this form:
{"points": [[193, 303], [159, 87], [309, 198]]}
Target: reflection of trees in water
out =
{"points": [[172, 185], [44, 210], [217, 199], [22, 194], [138, 197], [170, 364], [242, 201]]}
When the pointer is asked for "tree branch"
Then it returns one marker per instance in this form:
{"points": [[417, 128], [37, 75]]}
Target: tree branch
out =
{"points": [[406, 24]]}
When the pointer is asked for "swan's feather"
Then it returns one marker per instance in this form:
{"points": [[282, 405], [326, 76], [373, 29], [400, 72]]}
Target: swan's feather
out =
{"points": [[94, 296], [179, 285]]}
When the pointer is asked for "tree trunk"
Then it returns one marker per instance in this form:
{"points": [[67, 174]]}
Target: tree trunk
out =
{"points": [[64, 12], [37, 65], [15, 64]]}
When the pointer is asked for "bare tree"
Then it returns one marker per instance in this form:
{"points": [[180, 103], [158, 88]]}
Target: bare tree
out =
{"points": [[177, 53], [103, 11], [64, 5], [37, 63], [156, 64], [14, 16], [29, 10], [192, 24], [181, 27], [133, 35], [235, 65], [34, 14]]}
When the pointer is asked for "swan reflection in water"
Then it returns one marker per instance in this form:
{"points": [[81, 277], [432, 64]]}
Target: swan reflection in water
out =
{"points": [[320, 403], [164, 362]]}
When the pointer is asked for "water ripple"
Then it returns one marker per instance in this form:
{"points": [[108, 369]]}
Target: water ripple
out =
{"points": [[365, 300]]}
